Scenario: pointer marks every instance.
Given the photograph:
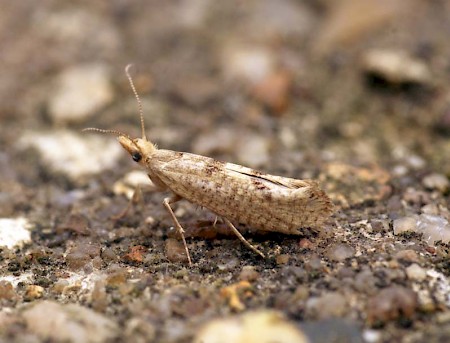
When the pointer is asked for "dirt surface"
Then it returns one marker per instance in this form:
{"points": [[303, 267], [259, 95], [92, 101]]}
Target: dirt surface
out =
{"points": [[354, 94]]}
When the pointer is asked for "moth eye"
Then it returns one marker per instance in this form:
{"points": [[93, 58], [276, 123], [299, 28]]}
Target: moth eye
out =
{"points": [[136, 156]]}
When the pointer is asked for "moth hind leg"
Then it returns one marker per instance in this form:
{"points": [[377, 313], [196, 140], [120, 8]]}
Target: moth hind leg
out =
{"points": [[243, 240], [167, 201]]}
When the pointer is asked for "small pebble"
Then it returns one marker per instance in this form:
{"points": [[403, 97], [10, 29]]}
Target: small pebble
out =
{"points": [[443, 122], [116, 276], [76, 260], [108, 255], [7, 291], [340, 252], [293, 274], [248, 273], [365, 282], [394, 204], [372, 336], [88, 153], [416, 272], [248, 63], [81, 254], [76, 223], [396, 67], [55, 322], [80, 92], [443, 317], [331, 304], [140, 330], [14, 232], [228, 265], [427, 301], [430, 209], [33, 292], [301, 293], [135, 254], [314, 263], [282, 259], [415, 196], [273, 91], [305, 243], [434, 228], [405, 224], [437, 182], [333, 330], [390, 304], [407, 255], [415, 162], [379, 226], [60, 286], [175, 251], [252, 327]]}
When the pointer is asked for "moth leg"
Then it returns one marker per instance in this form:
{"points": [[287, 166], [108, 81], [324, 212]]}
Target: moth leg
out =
{"points": [[243, 240], [136, 197], [167, 201]]}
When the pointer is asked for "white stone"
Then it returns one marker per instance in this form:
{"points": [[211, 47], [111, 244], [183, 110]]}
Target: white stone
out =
{"points": [[68, 323], [405, 224], [251, 327], [396, 66], [434, 228], [416, 272], [14, 232], [74, 154], [371, 336], [80, 91], [436, 181], [249, 63]]}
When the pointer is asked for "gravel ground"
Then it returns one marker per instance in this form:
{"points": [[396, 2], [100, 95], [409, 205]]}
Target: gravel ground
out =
{"points": [[354, 94]]}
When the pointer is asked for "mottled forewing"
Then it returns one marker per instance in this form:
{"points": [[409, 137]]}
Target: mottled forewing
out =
{"points": [[263, 201]]}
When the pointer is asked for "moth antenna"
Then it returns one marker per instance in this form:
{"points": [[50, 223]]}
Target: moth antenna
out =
{"points": [[141, 114], [115, 132]]}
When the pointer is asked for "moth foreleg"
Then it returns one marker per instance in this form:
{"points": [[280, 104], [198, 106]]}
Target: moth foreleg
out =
{"points": [[167, 201], [137, 197], [243, 240]]}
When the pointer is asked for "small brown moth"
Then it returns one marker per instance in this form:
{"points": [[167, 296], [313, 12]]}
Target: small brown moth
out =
{"points": [[233, 192]]}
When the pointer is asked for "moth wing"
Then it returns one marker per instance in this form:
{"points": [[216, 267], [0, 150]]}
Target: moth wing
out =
{"points": [[278, 180], [292, 195], [268, 202]]}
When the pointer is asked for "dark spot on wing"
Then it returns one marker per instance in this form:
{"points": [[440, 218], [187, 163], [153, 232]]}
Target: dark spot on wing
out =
{"points": [[213, 167], [267, 196], [259, 185]]}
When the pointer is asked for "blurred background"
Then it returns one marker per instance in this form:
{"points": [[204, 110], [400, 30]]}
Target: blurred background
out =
{"points": [[354, 93], [262, 82]]}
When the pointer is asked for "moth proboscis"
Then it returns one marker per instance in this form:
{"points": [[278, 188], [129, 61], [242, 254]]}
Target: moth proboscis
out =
{"points": [[233, 192]]}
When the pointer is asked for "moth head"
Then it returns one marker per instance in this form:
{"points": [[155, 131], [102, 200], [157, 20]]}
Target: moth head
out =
{"points": [[138, 148]]}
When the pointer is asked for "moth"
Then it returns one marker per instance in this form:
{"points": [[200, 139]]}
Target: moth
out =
{"points": [[235, 193]]}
